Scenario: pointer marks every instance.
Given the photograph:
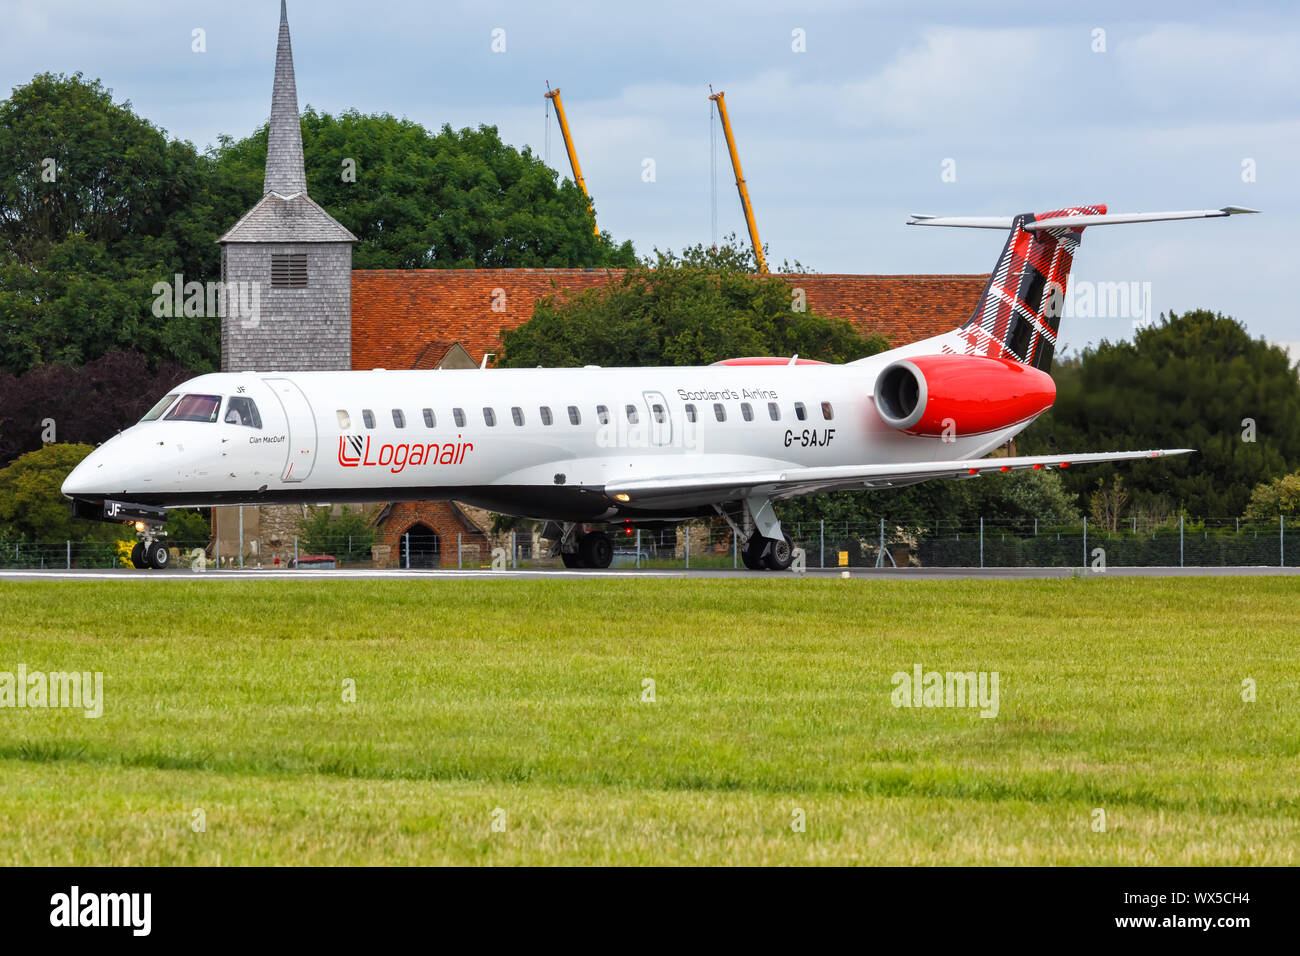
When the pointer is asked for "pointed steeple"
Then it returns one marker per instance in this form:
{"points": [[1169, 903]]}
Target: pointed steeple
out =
{"points": [[285, 171]]}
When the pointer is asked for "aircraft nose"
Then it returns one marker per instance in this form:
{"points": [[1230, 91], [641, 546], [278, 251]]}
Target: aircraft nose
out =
{"points": [[86, 478]]}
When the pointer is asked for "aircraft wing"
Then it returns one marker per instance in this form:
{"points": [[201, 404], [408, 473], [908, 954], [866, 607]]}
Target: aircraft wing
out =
{"points": [[788, 482]]}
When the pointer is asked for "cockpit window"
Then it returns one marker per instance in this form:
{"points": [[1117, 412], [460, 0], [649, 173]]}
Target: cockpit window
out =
{"points": [[195, 408], [161, 407], [242, 411]]}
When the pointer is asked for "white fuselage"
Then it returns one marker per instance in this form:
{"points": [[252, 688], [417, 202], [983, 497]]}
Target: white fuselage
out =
{"points": [[540, 443]]}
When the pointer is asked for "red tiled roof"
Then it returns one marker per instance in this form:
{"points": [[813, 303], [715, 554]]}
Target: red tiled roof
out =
{"points": [[396, 312], [428, 357]]}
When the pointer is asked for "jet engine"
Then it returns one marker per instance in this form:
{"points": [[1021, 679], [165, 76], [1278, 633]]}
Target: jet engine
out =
{"points": [[933, 395]]}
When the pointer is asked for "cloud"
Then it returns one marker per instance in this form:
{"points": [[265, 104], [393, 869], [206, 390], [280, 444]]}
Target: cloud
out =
{"points": [[960, 77], [1195, 69]]}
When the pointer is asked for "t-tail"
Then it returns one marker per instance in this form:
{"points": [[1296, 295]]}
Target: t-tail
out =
{"points": [[1018, 316]]}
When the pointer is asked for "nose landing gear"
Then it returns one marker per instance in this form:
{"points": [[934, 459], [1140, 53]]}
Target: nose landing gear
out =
{"points": [[150, 553]]}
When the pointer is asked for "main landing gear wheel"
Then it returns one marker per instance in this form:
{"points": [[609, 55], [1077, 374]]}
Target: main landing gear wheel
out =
{"points": [[137, 557], [752, 554], [156, 555], [779, 554], [596, 550], [571, 560]]}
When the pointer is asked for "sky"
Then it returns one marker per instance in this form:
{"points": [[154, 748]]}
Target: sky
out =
{"points": [[848, 118]]}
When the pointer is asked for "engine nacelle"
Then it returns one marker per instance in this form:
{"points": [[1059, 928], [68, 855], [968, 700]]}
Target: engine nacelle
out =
{"points": [[963, 394]]}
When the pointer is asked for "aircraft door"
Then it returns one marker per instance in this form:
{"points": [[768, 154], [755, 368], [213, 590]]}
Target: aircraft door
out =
{"points": [[300, 455], [659, 417]]}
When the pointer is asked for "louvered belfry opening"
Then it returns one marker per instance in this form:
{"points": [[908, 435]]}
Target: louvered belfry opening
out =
{"points": [[288, 270]]}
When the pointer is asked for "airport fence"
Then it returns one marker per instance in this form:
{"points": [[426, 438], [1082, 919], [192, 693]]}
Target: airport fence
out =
{"points": [[987, 543], [974, 543], [1180, 542], [85, 555]]}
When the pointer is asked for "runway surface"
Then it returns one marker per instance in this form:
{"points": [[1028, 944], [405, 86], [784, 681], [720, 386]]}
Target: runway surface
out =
{"points": [[898, 574]]}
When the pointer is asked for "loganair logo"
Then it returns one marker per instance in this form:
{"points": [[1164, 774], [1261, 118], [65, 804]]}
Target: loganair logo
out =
{"points": [[355, 451]]}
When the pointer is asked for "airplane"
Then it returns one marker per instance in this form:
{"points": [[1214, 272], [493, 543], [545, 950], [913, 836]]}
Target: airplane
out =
{"points": [[590, 447]]}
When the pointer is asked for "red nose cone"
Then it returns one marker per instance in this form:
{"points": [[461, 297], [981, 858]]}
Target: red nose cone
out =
{"points": [[967, 394]]}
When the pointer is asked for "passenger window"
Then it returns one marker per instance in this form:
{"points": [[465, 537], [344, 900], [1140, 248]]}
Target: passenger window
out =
{"points": [[399, 418], [800, 412], [345, 420], [242, 411], [195, 408], [368, 417], [660, 415], [158, 409], [430, 420], [545, 412], [690, 413], [827, 412], [631, 414], [747, 411], [489, 416], [774, 411], [575, 416], [602, 414], [719, 411], [459, 415], [517, 414]]}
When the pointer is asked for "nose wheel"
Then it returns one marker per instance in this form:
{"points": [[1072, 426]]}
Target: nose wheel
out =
{"points": [[157, 556], [150, 554]]}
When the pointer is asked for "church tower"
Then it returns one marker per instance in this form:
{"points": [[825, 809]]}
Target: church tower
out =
{"points": [[299, 256], [300, 260]]}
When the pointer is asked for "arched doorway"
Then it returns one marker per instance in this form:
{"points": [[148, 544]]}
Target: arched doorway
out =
{"points": [[421, 547]]}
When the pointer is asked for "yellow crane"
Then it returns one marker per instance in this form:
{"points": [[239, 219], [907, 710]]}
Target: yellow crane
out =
{"points": [[554, 96], [740, 181]]}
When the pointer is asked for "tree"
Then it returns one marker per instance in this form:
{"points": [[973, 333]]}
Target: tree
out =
{"points": [[1017, 499], [82, 405], [1195, 380], [1106, 504], [187, 527], [347, 537], [33, 508], [458, 199], [96, 205], [1281, 496], [694, 309]]}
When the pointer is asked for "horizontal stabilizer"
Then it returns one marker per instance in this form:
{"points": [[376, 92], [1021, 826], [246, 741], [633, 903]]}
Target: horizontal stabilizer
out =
{"points": [[968, 222], [1076, 222]]}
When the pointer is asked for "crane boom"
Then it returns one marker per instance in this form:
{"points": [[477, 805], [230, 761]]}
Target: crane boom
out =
{"points": [[740, 182], [554, 97]]}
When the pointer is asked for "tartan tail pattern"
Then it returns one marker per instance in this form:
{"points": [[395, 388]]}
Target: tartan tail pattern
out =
{"points": [[1019, 314]]}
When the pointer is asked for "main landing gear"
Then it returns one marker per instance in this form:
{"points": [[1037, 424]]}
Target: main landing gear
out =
{"points": [[767, 554], [591, 549], [766, 546]]}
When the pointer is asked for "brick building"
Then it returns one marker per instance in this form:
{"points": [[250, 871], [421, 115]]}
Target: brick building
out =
{"points": [[319, 313]]}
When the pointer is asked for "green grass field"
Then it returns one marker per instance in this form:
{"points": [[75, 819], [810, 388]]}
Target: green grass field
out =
{"points": [[520, 701]]}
